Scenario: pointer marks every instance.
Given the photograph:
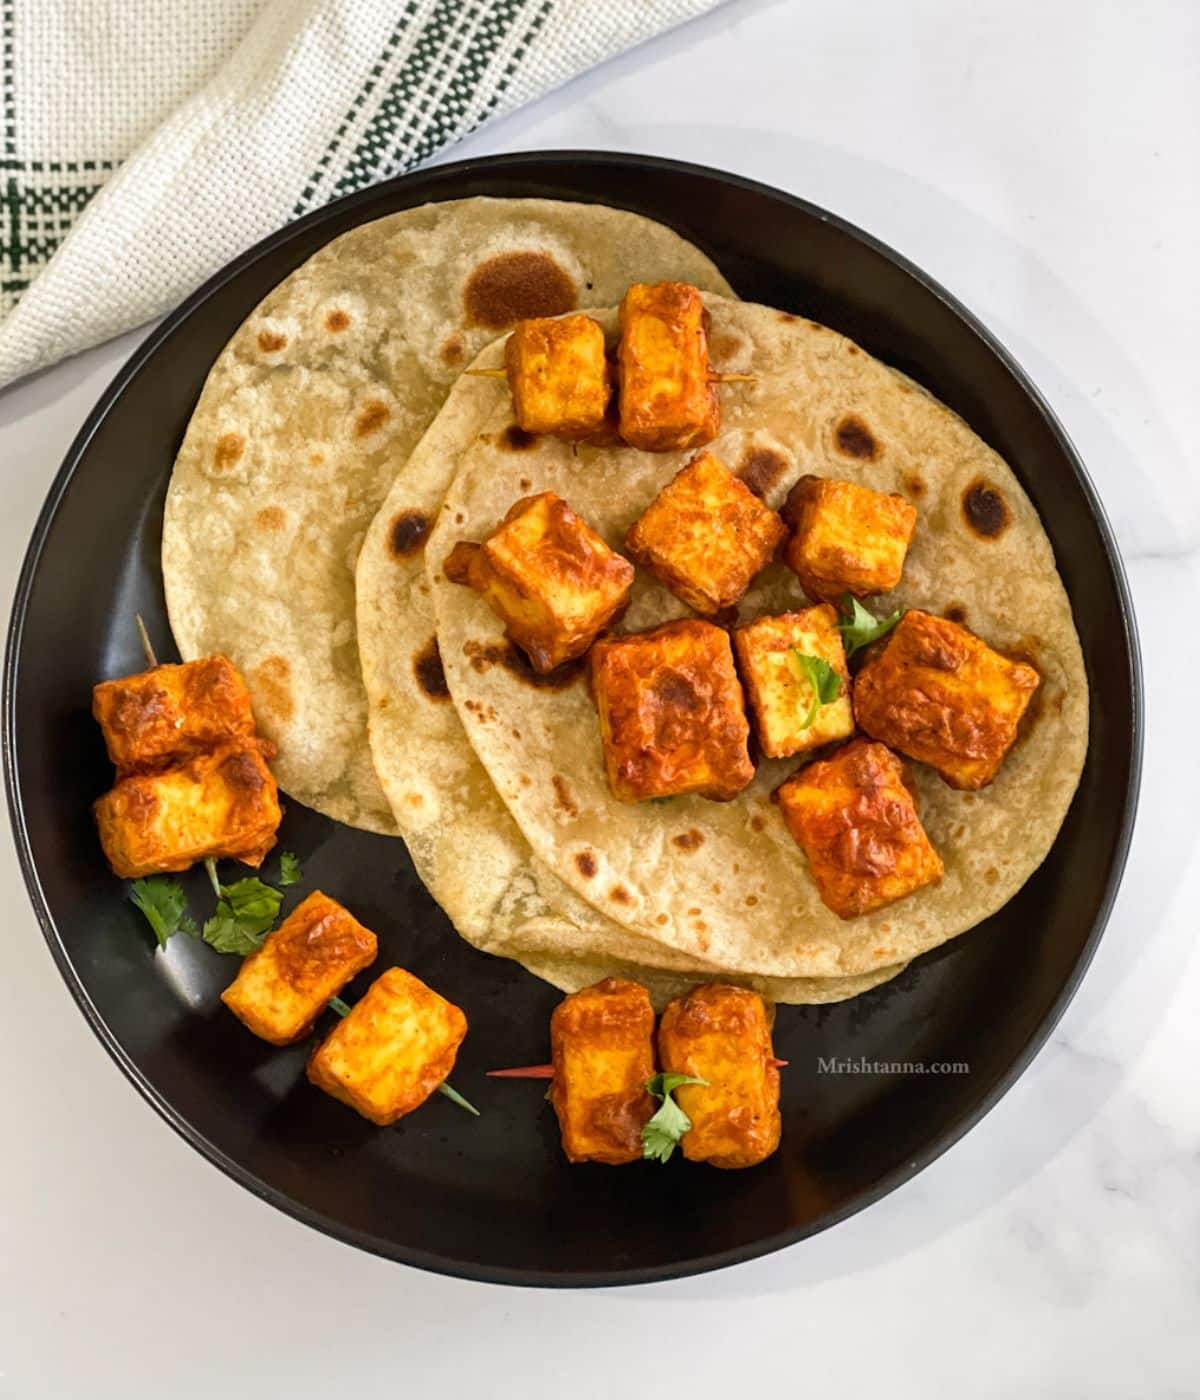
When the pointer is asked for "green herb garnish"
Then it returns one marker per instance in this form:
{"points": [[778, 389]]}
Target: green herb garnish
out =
{"points": [[825, 681], [164, 904], [455, 1097], [245, 911], [662, 1133], [859, 628], [289, 869]]}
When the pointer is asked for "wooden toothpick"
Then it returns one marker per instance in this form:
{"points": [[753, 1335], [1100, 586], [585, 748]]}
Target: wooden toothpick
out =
{"points": [[147, 644]]}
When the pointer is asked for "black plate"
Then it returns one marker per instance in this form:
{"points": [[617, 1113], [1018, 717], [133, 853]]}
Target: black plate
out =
{"points": [[493, 1198]]}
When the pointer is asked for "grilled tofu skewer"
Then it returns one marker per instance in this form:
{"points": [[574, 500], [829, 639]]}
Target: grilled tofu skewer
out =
{"points": [[391, 1051], [563, 384], [602, 1075], [714, 376], [192, 777], [547, 1071]]}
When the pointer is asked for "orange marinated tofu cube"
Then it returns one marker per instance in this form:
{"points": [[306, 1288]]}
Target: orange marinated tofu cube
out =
{"points": [[548, 577], [167, 714], [559, 376], [723, 1035], [602, 1047], [392, 1051], [855, 818], [789, 716], [666, 397], [283, 987], [223, 803], [706, 535], [846, 538], [672, 717], [938, 693]]}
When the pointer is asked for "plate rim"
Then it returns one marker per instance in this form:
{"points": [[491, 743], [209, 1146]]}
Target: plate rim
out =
{"points": [[514, 163]]}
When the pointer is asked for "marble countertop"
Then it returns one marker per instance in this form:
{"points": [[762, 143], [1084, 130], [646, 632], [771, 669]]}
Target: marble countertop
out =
{"points": [[1043, 162]]}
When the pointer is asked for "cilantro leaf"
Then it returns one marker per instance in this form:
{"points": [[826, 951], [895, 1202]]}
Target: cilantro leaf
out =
{"points": [[662, 1133], [164, 904], [223, 933], [245, 911], [254, 904], [859, 628], [289, 869], [825, 681]]}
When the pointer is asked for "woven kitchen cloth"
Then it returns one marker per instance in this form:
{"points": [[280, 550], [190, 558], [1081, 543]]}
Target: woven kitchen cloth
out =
{"points": [[145, 144]]}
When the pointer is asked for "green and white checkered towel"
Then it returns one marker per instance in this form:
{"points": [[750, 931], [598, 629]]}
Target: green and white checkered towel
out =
{"points": [[147, 142]]}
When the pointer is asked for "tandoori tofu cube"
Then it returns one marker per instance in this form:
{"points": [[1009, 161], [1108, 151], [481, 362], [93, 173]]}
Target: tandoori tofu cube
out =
{"points": [[283, 988], [169, 713], [602, 1048], [723, 1035], [548, 577], [856, 819], [705, 535], [846, 538], [223, 803], [672, 717], [559, 376], [667, 399], [392, 1051], [938, 693], [784, 689]]}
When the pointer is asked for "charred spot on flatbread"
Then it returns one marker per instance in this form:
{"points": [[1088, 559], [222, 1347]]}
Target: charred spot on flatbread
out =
{"points": [[585, 863], [690, 840], [228, 451], [431, 675], [408, 532], [854, 439], [564, 799], [271, 519], [516, 286], [371, 417], [483, 655], [914, 485], [762, 468], [516, 439], [270, 341], [337, 320], [453, 349], [728, 348], [985, 510], [271, 686]]}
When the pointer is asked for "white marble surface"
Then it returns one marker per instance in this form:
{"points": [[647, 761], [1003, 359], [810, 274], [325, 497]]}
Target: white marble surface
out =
{"points": [[1043, 161]]}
